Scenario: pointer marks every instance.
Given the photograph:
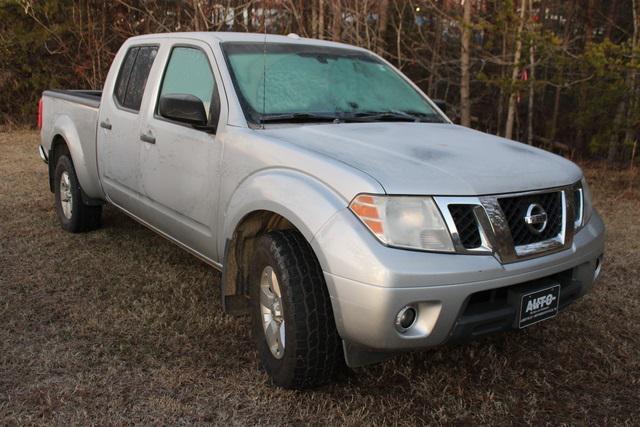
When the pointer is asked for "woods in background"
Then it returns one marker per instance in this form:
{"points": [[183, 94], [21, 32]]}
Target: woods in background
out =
{"points": [[561, 74]]}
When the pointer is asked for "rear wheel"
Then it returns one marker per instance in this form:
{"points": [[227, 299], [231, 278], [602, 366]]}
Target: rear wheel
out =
{"points": [[75, 216], [292, 320]]}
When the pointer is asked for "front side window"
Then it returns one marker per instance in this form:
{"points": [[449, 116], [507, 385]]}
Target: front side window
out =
{"points": [[133, 75], [279, 79], [188, 72]]}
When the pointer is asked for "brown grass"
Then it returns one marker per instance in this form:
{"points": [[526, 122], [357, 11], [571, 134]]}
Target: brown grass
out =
{"points": [[120, 326]]}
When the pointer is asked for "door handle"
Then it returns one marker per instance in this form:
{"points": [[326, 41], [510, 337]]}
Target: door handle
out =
{"points": [[147, 138], [105, 125]]}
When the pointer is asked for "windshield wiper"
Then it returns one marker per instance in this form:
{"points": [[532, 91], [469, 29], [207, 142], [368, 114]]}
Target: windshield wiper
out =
{"points": [[361, 116], [426, 117], [393, 115], [298, 118]]}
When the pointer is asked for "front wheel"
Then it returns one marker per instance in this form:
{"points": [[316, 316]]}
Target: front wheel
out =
{"points": [[292, 320], [75, 216]]}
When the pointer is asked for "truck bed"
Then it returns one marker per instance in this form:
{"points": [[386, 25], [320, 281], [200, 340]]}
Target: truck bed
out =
{"points": [[73, 115], [90, 98]]}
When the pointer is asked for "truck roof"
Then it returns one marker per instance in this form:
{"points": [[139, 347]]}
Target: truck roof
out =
{"points": [[224, 36]]}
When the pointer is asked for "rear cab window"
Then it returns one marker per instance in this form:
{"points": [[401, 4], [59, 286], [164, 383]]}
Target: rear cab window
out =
{"points": [[133, 75]]}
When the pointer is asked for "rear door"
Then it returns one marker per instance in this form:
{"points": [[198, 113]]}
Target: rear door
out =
{"points": [[119, 126], [180, 165]]}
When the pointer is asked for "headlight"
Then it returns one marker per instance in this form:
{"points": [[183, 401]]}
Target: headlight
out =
{"points": [[404, 221], [582, 203]]}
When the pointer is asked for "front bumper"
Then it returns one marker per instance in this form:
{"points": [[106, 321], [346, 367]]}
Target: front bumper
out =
{"points": [[370, 283]]}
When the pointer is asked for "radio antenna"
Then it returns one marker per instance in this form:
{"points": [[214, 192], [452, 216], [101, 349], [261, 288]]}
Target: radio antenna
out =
{"points": [[264, 62]]}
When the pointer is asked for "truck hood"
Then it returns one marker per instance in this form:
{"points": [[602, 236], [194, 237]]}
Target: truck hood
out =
{"points": [[434, 158]]}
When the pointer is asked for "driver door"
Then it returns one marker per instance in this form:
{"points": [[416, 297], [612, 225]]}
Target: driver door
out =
{"points": [[180, 165]]}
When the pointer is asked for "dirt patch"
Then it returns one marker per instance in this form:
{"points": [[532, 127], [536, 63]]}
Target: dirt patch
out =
{"points": [[120, 326]]}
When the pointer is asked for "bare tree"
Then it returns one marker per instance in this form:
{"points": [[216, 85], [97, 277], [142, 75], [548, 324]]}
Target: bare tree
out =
{"points": [[465, 54], [321, 29], [532, 78], [336, 28], [511, 112], [383, 22]]}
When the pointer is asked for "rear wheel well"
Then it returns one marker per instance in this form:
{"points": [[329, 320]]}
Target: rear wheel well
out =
{"points": [[235, 289], [58, 147]]}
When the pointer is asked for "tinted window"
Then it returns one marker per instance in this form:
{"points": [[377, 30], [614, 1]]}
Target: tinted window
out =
{"points": [[138, 77], [125, 71], [188, 72]]}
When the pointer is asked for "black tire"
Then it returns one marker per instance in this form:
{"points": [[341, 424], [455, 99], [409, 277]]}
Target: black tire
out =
{"points": [[313, 349], [82, 217]]}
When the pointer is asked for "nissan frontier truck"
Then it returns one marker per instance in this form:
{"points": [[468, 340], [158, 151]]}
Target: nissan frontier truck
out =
{"points": [[351, 219]]}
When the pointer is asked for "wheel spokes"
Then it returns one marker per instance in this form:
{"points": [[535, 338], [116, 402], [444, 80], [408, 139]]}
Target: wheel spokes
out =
{"points": [[66, 197], [275, 287], [274, 334], [271, 311], [266, 298]]}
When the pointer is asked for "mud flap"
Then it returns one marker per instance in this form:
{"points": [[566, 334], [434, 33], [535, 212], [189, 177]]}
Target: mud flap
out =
{"points": [[356, 356]]}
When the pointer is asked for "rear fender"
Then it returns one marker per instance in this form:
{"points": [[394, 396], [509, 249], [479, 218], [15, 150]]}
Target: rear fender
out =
{"points": [[64, 131]]}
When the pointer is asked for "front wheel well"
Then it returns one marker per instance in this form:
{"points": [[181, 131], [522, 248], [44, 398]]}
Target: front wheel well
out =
{"points": [[238, 249]]}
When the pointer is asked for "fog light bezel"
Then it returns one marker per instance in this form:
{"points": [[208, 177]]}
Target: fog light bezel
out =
{"points": [[401, 313]]}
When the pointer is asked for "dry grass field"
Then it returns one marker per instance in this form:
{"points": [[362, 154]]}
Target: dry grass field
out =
{"points": [[119, 326]]}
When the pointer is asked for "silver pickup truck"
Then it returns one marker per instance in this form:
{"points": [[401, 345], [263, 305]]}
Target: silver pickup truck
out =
{"points": [[350, 218]]}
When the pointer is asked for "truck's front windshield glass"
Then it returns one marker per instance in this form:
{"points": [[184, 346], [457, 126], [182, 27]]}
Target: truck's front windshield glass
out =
{"points": [[282, 82]]}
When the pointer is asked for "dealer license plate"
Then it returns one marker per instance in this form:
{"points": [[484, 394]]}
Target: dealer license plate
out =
{"points": [[539, 305]]}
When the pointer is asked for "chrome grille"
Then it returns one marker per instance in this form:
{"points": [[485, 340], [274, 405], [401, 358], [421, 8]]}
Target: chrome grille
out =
{"points": [[467, 225], [496, 224], [515, 210]]}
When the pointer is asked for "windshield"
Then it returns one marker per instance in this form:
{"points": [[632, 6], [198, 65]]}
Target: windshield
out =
{"points": [[294, 82]]}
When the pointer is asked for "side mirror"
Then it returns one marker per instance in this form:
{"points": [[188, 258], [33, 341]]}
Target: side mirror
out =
{"points": [[441, 104], [183, 108]]}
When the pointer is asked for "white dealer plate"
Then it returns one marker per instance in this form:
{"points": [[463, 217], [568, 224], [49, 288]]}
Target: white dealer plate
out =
{"points": [[539, 305]]}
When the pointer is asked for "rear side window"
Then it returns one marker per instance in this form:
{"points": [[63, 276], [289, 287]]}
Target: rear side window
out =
{"points": [[133, 76], [125, 71]]}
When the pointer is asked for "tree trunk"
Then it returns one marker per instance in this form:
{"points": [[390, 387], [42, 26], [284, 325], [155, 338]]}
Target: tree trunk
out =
{"points": [[502, 78], [632, 106], [314, 20], [614, 144], [196, 21], [465, 80], [611, 20], [554, 117], [532, 79], [628, 104], [511, 112], [383, 19], [435, 55], [321, 19], [336, 28], [588, 31], [561, 80]]}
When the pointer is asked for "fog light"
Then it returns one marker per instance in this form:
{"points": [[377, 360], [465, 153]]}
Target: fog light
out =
{"points": [[406, 318]]}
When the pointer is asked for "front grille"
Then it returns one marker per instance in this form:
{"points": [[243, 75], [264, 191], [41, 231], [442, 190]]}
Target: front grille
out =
{"points": [[515, 210], [467, 225]]}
